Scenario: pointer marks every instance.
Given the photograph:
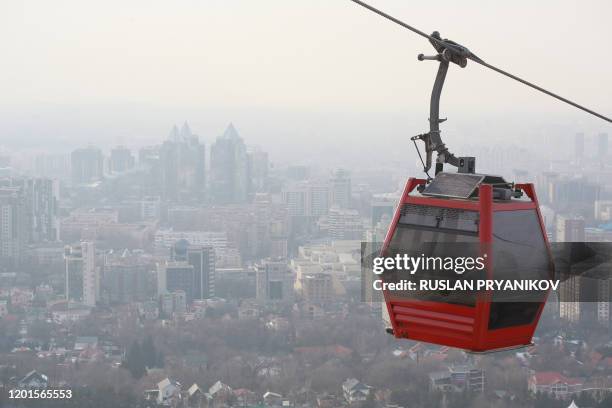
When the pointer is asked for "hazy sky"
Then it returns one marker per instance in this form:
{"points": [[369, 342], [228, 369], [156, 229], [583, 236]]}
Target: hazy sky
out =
{"points": [[139, 65]]}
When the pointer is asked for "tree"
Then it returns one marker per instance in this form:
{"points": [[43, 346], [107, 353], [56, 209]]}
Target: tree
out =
{"points": [[135, 361], [159, 360], [149, 354]]}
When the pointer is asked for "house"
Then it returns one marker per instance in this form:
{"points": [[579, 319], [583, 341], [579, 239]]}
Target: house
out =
{"points": [[33, 380], [220, 393], [272, 399], [554, 383], [441, 381], [244, 397], [473, 378], [355, 391], [458, 378], [196, 398], [168, 392]]}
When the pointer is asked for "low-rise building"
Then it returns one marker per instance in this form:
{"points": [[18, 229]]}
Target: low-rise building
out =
{"points": [[355, 391], [33, 380], [554, 383], [457, 379], [169, 392]]}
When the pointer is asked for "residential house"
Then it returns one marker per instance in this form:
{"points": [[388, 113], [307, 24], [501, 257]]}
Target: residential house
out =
{"points": [[554, 383], [220, 393], [169, 392], [244, 398], [272, 399], [355, 391], [196, 398], [33, 381], [458, 378]]}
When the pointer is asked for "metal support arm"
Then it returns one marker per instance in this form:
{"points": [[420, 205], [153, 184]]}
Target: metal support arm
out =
{"points": [[433, 139]]}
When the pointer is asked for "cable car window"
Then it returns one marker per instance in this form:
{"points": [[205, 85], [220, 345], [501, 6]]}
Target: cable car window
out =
{"points": [[519, 252], [439, 218], [426, 230]]}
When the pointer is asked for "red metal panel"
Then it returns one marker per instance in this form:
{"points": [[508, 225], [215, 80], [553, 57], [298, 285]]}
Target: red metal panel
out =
{"points": [[513, 206], [485, 235], [410, 185]]}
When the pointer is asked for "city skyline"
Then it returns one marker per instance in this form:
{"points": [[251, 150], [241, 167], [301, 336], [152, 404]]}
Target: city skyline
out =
{"points": [[354, 83], [194, 196]]}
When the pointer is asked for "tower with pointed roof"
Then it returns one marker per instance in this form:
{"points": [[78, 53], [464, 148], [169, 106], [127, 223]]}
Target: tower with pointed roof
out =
{"points": [[182, 161], [229, 176]]}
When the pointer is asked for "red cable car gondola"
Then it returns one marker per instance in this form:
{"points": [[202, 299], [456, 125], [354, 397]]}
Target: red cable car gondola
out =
{"points": [[467, 208], [508, 230]]}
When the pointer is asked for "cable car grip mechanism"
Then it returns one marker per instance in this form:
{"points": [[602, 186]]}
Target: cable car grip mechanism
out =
{"points": [[448, 51]]}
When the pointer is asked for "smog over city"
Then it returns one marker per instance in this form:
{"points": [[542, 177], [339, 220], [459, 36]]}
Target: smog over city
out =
{"points": [[208, 203]]}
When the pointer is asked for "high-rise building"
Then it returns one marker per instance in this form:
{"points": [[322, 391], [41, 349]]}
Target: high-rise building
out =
{"points": [[382, 210], [272, 225], [202, 259], [91, 275], [296, 198], [572, 194], [307, 199], [42, 196], [173, 276], [82, 276], [121, 159], [38, 200], [317, 287], [73, 278], [87, 165], [274, 281], [128, 277], [166, 239], [150, 208], [345, 224], [174, 303], [182, 165], [570, 229], [229, 176], [13, 225], [340, 189]]}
